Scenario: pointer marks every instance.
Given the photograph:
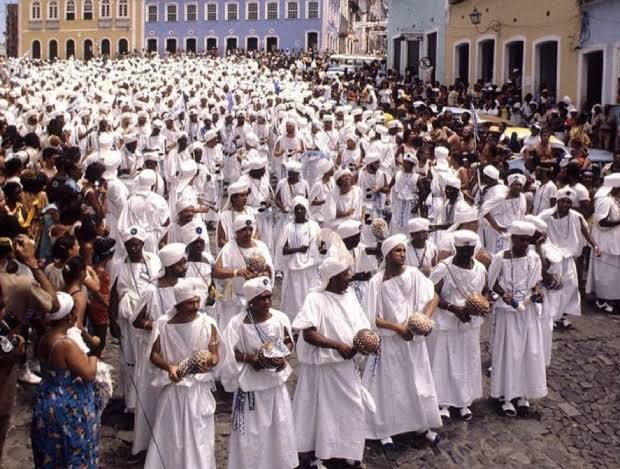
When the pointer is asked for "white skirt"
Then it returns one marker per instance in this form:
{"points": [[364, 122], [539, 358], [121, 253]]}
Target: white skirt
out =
{"points": [[328, 411], [295, 287], [604, 277], [268, 436], [457, 370], [403, 389], [518, 356]]}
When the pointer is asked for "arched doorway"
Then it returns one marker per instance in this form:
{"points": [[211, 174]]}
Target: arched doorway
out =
{"points": [[461, 63], [36, 50], [151, 45], [252, 43], [231, 43], [312, 41], [513, 62], [546, 67], [52, 50], [88, 50], [171, 45], [70, 48], [105, 47], [271, 44], [190, 45], [123, 47]]}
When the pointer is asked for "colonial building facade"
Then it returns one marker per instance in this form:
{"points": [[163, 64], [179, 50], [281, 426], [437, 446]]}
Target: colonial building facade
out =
{"points": [[223, 25], [51, 29]]}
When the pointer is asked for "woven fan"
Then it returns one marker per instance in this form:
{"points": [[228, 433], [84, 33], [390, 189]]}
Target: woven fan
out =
{"points": [[380, 229], [420, 324], [367, 342], [256, 263], [476, 305], [197, 362]]}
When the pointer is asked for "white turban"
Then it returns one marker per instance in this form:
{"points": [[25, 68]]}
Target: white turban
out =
{"points": [[171, 253], [300, 200], [66, 303], [146, 178], [372, 158], [341, 172], [389, 244], [293, 166], [210, 135], [521, 228], [517, 178], [349, 228], [187, 289], [465, 238], [193, 230], [183, 203], [243, 221], [323, 167], [330, 267], [566, 193], [491, 171], [111, 160], [441, 153], [418, 224], [410, 157], [252, 140], [539, 223], [254, 287], [134, 232], [612, 180]]}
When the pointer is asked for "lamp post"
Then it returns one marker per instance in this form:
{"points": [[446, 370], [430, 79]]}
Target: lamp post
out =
{"points": [[476, 17]]}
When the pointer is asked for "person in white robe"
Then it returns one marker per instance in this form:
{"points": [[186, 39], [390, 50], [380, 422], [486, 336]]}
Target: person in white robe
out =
{"points": [[509, 204], [116, 195], [404, 194], [454, 343], [344, 202], [298, 255], [130, 276], [604, 271], [235, 205], [184, 429], [518, 359], [551, 259], [569, 231], [146, 209], [199, 259], [374, 185], [263, 431], [545, 195], [321, 189], [155, 301], [231, 268], [454, 203], [329, 403], [401, 381], [421, 251]]}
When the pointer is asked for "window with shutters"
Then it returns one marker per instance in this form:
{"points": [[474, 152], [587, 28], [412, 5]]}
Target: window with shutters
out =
{"points": [[152, 14], [52, 10], [292, 9], [123, 9], [252, 14], [70, 10], [106, 11], [272, 10], [313, 10], [211, 11], [88, 9], [171, 12], [191, 12], [232, 12]]}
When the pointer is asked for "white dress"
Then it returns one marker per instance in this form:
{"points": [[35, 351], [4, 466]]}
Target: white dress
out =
{"points": [[504, 211], [401, 381], [300, 269], [604, 271], [454, 346], [184, 429], [518, 367], [328, 405], [404, 196], [263, 431]]}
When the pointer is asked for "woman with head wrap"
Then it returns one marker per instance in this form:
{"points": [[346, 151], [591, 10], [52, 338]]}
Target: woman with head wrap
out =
{"points": [[184, 428], [64, 417], [401, 382], [374, 185], [287, 189], [289, 147], [263, 433], [320, 190], [569, 231], [344, 202], [235, 205], [404, 194], [329, 405], [297, 254], [454, 344], [498, 212], [518, 366]]}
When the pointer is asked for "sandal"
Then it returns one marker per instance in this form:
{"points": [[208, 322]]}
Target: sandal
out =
{"points": [[508, 409], [465, 413], [433, 437], [444, 413]]}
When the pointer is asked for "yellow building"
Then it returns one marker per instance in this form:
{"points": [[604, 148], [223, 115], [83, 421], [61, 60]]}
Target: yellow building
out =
{"points": [[533, 42], [80, 28]]}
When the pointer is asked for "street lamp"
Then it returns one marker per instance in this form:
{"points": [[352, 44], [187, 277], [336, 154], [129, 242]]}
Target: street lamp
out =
{"points": [[476, 17]]}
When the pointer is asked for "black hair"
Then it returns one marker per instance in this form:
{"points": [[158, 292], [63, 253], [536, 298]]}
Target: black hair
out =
{"points": [[62, 246], [87, 231], [103, 247], [49, 152], [13, 166], [73, 269], [94, 172], [34, 183], [11, 189]]}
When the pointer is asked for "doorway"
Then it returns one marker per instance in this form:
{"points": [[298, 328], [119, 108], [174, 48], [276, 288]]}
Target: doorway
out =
{"points": [[461, 66], [53, 50], [312, 41], [431, 53], [151, 45], [486, 60], [272, 44], [105, 47], [190, 45], [70, 49], [251, 43], [171, 46], [546, 67], [514, 62], [592, 78], [88, 50], [231, 44]]}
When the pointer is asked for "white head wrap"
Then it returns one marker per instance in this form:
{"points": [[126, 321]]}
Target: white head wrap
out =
{"points": [[349, 228], [146, 179], [612, 180], [441, 153], [453, 181], [517, 178], [323, 167], [567, 193], [243, 221], [371, 158], [134, 232], [491, 171], [341, 172], [521, 228], [66, 303], [171, 253], [330, 267], [254, 287], [186, 289], [466, 216], [411, 157], [300, 200], [418, 224], [465, 238], [539, 223], [390, 243], [193, 230]]}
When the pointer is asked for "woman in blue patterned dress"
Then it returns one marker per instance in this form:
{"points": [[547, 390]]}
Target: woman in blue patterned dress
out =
{"points": [[64, 419]]}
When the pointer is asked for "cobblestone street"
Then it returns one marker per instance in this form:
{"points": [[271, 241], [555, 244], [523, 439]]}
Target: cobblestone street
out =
{"points": [[576, 425]]}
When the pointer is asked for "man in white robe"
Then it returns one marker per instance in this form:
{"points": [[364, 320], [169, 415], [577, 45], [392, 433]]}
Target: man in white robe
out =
{"points": [[329, 402], [401, 382]]}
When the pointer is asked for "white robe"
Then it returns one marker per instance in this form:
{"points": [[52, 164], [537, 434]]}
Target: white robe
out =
{"points": [[604, 271], [328, 406], [266, 438], [404, 196], [454, 346], [300, 269], [518, 367], [184, 430], [400, 382], [504, 211], [337, 202], [149, 211]]}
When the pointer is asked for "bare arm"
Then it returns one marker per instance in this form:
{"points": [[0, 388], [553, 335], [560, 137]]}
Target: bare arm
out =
{"points": [[314, 338]]}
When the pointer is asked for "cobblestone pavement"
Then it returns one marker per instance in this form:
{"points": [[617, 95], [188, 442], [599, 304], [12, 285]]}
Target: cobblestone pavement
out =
{"points": [[577, 425]]}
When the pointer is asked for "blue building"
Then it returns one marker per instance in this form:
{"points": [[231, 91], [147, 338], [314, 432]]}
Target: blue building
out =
{"points": [[222, 25], [417, 30], [598, 67]]}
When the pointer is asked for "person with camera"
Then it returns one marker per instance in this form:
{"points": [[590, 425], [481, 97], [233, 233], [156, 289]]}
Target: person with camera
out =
{"points": [[18, 294]]}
